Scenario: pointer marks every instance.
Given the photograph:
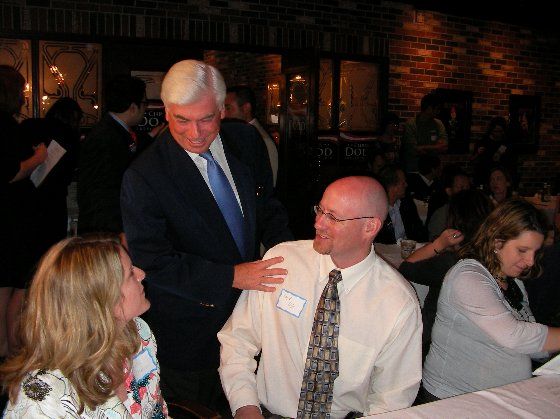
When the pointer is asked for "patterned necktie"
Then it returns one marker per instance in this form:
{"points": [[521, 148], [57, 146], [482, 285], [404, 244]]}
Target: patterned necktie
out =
{"points": [[226, 200], [321, 365]]}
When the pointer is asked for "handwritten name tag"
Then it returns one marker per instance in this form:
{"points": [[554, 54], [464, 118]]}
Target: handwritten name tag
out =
{"points": [[143, 364], [291, 303]]}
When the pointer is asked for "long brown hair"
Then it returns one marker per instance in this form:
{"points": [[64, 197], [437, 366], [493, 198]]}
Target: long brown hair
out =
{"points": [[69, 324], [506, 222]]}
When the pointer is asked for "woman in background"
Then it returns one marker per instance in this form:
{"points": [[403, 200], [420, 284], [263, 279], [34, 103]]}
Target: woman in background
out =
{"points": [[499, 184], [17, 208], [62, 125], [84, 352], [484, 333]]}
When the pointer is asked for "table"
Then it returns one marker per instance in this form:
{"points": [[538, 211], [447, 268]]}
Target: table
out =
{"points": [[391, 253], [537, 397]]}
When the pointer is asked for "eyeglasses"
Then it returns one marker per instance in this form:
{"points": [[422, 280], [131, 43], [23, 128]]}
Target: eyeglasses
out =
{"points": [[331, 218]]}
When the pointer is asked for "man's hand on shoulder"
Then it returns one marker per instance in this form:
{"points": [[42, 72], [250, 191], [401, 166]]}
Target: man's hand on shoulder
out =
{"points": [[248, 412], [257, 275]]}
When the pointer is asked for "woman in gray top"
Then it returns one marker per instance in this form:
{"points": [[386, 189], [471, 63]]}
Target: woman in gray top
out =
{"points": [[484, 332]]}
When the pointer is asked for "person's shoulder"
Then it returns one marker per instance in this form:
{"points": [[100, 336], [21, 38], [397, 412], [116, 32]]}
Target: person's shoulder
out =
{"points": [[104, 125], [235, 131], [146, 334], [151, 159], [392, 280], [143, 329], [440, 213], [42, 393], [293, 251], [466, 270]]}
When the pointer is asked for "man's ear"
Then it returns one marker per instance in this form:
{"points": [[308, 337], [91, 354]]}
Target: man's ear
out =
{"points": [[372, 226]]}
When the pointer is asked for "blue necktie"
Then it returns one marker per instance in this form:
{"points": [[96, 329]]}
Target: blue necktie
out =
{"points": [[226, 200]]}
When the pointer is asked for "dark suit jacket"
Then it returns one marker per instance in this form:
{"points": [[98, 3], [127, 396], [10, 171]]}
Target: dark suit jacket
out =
{"points": [[413, 226], [177, 234], [105, 155], [418, 189]]}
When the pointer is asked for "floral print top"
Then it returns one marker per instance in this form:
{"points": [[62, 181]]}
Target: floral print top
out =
{"points": [[48, 394]]}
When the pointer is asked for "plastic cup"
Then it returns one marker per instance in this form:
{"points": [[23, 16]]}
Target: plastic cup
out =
{"points": [[407, 247]]}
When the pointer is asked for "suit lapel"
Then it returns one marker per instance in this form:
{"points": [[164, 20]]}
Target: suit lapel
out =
{"points": [[246, 191]]}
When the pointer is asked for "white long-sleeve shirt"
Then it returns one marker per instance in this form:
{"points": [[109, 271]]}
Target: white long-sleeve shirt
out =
{"points": [[478, 340], [379, 339]]}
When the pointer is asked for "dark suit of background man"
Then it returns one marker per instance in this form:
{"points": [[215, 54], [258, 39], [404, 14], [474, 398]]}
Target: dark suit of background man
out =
{"points": [[403, 221], [178, 235], [107, 152]]}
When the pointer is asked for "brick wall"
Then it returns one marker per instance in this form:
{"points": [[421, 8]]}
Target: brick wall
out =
{"points": [[253, 70], [491, 59]]}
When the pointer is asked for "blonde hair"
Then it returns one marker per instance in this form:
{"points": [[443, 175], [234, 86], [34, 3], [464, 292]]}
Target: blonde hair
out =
{"points": [[187, 80], [69, 323]]}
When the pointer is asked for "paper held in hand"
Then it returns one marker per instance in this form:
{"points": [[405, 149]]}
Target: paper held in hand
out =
{"points": [[55, 152]]}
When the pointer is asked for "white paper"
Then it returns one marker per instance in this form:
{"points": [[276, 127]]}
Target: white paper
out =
{"points": [[551, 367], [55, 152]]}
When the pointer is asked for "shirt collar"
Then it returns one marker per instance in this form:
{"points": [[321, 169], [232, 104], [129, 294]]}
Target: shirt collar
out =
{"points": [[396, 206], [215, 148], [425, 179], [119, 121], [350, 275]]}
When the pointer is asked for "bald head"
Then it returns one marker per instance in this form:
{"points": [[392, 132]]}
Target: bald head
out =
{"points": [[361, 195], [349, 216]]}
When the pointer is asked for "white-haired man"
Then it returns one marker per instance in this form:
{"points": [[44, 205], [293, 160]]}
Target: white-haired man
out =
{"points": [[341, 334], [194, 206]]}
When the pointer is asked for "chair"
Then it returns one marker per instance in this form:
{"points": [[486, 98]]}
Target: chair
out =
{"points": [[187, 409]]}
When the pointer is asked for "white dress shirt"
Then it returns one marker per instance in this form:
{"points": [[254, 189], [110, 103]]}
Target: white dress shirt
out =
{"points": [[217, 150], [379, 340]]}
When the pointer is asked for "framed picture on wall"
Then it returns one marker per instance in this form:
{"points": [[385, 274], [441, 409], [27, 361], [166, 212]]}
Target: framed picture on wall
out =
{"points": [[456, 114], [524, 116]]}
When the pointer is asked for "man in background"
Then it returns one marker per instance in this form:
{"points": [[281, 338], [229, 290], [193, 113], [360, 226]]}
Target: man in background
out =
{"points": [[403, 221], [240, 103], [423, 134], [106, 153]]}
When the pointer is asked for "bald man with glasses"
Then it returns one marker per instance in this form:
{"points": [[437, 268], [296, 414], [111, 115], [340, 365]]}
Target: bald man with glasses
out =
{"points": [[341, 335]]}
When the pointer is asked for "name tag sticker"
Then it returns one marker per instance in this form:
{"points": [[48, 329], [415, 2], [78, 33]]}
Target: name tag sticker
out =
{"points": [[291, 303], [143, 364]]}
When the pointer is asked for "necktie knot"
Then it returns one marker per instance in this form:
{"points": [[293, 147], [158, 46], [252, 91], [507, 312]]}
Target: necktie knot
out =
{"points": [[207, 155], [335, 276]]}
